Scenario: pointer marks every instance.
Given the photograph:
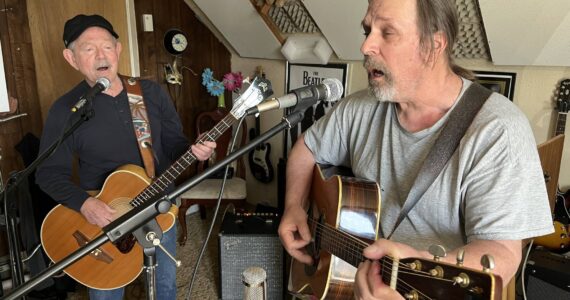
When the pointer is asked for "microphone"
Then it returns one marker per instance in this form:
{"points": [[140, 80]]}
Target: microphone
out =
{"points": [[254, 281], [102, 84], [329, 90]]}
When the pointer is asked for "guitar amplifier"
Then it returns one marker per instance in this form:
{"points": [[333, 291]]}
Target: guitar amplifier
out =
{"points": [[250, 240], [547, 276]]}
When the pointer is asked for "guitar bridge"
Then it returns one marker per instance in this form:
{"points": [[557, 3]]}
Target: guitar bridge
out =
{"points": [[97, 254]]}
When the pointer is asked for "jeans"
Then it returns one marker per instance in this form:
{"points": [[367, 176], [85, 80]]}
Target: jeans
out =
{"points": [[165, 273]]}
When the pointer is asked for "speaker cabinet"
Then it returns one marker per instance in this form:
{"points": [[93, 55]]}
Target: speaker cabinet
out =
{"points": [[547, 276], [248, 240]]}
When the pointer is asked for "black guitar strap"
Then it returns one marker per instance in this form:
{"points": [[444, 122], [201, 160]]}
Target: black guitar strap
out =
{"points": [[445, 145]]}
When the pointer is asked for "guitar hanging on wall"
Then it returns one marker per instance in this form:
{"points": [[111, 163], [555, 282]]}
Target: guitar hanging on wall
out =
{"points": [[560, 239], [259, 163]]}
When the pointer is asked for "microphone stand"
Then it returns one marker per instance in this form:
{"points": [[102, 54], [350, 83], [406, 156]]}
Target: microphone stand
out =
{"points": [[10, 213], [140, 215]]}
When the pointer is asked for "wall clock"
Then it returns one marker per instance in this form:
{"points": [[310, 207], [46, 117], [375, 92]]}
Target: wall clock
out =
{"points": [[175, 41]]}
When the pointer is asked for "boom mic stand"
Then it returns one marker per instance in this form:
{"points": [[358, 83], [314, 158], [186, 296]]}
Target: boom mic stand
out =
{"points": [[146, 212]]}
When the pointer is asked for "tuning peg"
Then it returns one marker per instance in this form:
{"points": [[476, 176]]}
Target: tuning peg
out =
{"points": [[460, 257], [412, 295], [488, 263], [462, 280], [437, 251]]}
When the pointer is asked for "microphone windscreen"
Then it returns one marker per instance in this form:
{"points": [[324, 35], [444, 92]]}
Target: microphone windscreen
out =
{"points": [[106, 83], [334, 89], [254, 280]]}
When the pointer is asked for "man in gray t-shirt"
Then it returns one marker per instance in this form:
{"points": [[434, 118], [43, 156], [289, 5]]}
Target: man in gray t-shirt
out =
{"points": [[489, 196]]}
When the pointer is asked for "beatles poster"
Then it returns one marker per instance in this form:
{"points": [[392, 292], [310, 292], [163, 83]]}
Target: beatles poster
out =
{"points": [[300, 75]]}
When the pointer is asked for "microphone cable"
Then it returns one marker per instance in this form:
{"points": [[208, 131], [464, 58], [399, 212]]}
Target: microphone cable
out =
{"points": [[216, 210]]}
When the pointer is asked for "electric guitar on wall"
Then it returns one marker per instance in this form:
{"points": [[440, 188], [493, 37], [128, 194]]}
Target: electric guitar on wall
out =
{"points": [[115, 265], [259, 163], [340, 232], [560, 238]]}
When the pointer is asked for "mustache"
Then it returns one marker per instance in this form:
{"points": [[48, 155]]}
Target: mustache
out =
{"points": [[102, 64], [370, 64]]}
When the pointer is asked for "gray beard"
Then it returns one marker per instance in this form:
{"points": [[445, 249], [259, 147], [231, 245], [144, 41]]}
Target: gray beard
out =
{"points": [[382, 94]]}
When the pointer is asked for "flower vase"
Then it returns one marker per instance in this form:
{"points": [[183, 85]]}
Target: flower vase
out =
{"points": [[221, 101]]}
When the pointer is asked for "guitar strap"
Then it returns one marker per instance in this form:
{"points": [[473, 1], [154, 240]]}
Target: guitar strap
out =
{"points": [[141, 123], [445, 145]]}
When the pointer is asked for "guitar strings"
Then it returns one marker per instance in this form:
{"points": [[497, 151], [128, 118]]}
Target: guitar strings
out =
{"points": [[343, 243], [181, 164], [327, 231]]}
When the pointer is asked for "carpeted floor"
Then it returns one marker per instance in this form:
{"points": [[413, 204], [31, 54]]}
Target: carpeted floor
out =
{"points": [[206, 284]]}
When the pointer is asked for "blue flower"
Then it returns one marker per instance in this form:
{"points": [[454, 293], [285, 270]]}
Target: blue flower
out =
{"points": [[215, 88], [207, 76]]}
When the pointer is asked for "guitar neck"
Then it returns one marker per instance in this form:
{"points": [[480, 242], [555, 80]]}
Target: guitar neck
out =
{"points": [[346, 247], [560, 123], [181, 164]]}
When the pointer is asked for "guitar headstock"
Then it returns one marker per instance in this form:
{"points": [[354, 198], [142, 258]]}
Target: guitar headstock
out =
{"points": [[563, 97], [430, 279], [258, 90]]}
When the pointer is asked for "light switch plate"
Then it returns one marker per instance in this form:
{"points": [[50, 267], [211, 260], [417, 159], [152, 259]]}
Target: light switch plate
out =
{"points": [[147, 23]]}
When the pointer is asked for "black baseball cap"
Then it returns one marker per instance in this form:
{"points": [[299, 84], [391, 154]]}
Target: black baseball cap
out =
{"points": [[75, 26]]}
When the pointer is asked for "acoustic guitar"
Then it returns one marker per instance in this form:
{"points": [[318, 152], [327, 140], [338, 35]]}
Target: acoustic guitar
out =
{"points": [[559, 240], [343, 219], [115, 265]]}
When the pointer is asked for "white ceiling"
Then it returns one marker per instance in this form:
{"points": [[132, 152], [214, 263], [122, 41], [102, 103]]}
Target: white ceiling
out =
{"points": [[528, 32], [340, 23], [520, 32]]}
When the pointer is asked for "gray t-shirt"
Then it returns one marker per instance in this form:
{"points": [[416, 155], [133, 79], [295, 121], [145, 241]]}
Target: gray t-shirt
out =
{"points": [[492, 187]]}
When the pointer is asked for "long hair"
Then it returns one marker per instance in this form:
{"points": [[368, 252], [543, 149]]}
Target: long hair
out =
{"points": [[435, 16]]}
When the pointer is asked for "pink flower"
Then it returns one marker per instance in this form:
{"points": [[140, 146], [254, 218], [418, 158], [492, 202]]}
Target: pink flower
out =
{"points": [[233, 81]]}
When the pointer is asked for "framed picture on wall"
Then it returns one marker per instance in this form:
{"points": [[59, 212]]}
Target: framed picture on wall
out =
{"points": [[300, 75], [500, 82], [297, 76]]}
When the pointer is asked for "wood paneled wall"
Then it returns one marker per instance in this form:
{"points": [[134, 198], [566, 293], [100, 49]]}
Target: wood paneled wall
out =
{"points": [[21, 82], [47, 19], [204, 51]]}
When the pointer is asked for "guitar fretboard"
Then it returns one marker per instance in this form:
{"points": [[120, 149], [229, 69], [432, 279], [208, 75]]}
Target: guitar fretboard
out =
{"points": [[561, 123], [347, 247], [180, 165]]}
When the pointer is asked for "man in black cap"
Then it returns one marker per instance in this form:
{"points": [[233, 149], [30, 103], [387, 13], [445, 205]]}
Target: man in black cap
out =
{"points": [[108, 141]]}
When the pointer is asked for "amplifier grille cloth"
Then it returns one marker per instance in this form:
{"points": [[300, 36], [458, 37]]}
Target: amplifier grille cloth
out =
{"points": [[239, 252]]}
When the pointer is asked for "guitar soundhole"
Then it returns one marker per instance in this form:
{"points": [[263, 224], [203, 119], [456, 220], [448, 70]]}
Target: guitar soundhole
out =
{"points": [[126, 243]]}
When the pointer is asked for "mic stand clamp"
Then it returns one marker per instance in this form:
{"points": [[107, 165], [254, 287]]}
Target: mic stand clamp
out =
{"points": [[148, 236]]}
